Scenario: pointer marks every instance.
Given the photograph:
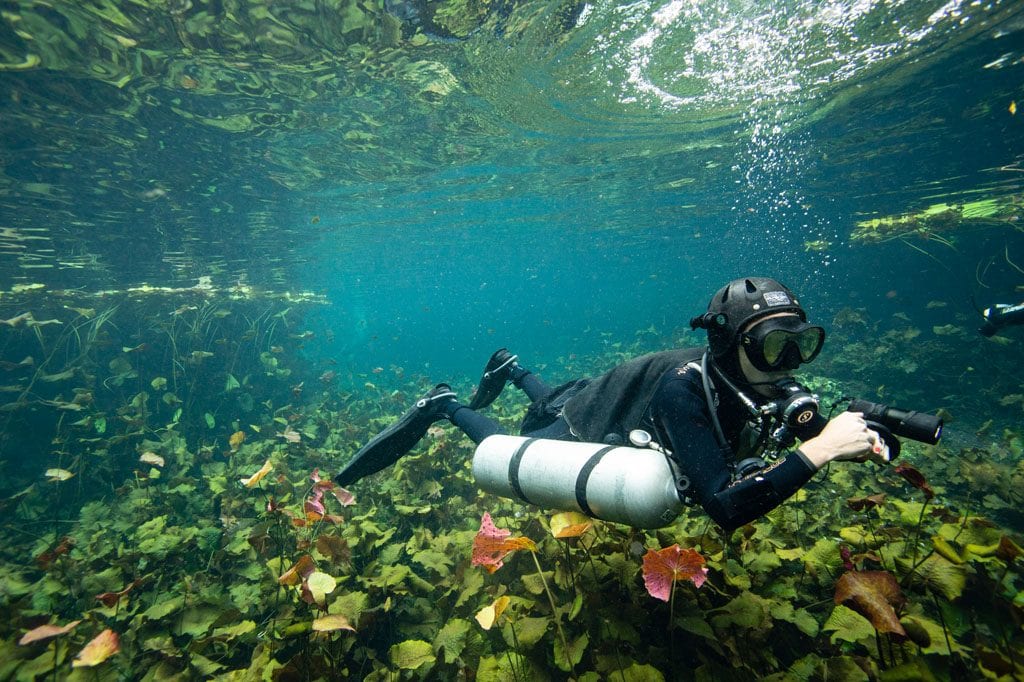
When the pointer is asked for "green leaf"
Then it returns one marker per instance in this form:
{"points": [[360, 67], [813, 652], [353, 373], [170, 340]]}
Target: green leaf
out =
{"points": [[533, 583], [350, 605], [452, 638], [198, 620], [823, 557], [566, 660], [161, 545], [943, 576], [231, 384], [101, 425], [801, 618], [12, 585], [210, 421], [164, 608], [236, 630], [761, 562], [245, 595], [389, 577], [937, 636], [502, 668], [577, 606], [438, 562], [411, 654], [848, 625], [735, 575], [845, 668], [696, 625], [529, 631], [472, 582], [203, 665], [910, 511], [747, 610], [639, 673]]}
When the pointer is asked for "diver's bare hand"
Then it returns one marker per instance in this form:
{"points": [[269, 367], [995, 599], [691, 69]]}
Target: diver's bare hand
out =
{"points": [[846, 438]]}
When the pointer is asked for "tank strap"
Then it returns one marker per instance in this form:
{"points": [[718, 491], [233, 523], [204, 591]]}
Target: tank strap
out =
{"points": [[513, 469], [584, 477]]}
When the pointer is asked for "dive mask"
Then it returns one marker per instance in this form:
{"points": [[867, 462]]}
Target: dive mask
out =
{"points": [[782, 343]]}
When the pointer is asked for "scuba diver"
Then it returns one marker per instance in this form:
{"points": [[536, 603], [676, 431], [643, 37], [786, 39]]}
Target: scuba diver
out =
{"points": [[728, 416], [1001, 315]]}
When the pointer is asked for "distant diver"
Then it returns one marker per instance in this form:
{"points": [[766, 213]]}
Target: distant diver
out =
{"points": [[1001, 315], [722, 422]]}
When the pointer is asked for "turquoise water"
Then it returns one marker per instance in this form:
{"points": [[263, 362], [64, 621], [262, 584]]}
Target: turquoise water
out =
{"points": [[307, 212]]}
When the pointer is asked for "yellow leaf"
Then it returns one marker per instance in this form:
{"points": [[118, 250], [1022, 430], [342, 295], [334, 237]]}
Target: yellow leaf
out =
{"points": [[152, 458], [102, 647], [946, 550], [237, 438], [58, 474], [489, 614], [789, 554], [332, 623], [258, 476], [320, 585], [570, 524]]}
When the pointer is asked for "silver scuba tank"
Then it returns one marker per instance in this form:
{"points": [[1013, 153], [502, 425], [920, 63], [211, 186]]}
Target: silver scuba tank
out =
{"points": [[635, 486]]}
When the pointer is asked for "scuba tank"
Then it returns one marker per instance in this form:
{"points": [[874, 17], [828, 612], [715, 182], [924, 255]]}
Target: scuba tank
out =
{"points": [[634, 486]]}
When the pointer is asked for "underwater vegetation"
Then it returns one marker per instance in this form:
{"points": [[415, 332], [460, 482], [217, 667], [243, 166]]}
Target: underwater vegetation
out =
{"points": [[167, 514], [942, 218]]}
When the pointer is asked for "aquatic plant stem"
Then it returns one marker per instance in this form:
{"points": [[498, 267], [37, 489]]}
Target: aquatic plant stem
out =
{"points": [[942, 622], [554, 612], [671, 621], [1006, 254], [881, 651], [515, 642], [917, 535]]}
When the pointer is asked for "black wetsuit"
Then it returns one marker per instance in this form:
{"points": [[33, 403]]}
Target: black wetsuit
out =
{"points": [[681, 423], [663, 394]]}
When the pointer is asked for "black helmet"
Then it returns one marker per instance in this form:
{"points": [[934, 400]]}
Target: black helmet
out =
{"points": [[737, 304]]}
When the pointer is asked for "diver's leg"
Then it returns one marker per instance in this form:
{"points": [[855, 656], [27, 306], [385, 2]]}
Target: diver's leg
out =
{"points": [[389, 445], [531, 384], [502, 368], [474, 424]]}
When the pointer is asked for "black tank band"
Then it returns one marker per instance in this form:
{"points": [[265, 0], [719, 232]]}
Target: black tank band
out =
{"points": [[584, 477], [513, 470]]}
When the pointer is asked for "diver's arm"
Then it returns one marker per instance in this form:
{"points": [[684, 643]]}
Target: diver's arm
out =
{"points": [[681, 416], [845, 438]]}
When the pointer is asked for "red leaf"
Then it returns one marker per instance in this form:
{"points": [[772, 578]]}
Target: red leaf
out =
{"points": [[110, 599], [44, 632], [345, 497], [867, 502], [314, 504], [297, 573], [666, 566], [914, 478], [872, 594], [492, 544], [44, 559]]}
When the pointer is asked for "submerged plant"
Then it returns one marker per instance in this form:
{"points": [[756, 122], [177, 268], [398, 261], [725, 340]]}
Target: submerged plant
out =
{"points": [[491, 545]]}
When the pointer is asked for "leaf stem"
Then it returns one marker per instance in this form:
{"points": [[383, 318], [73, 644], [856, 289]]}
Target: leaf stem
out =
{"points": [[554, 613]]}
